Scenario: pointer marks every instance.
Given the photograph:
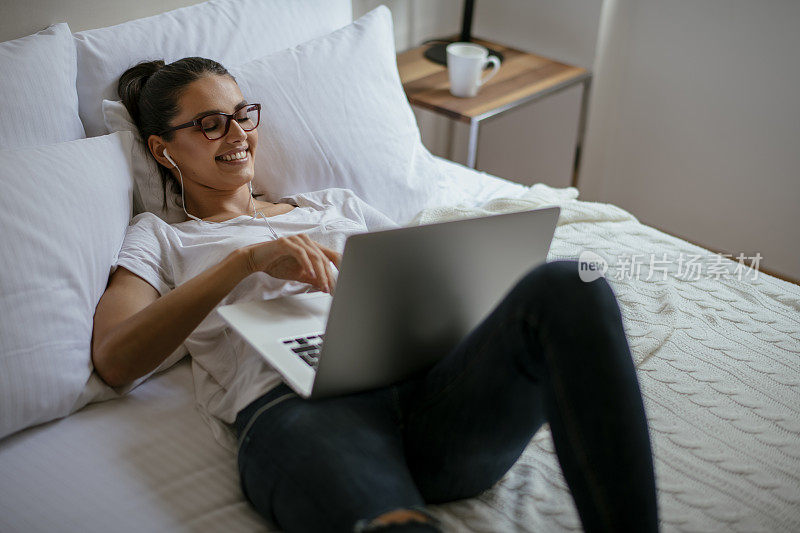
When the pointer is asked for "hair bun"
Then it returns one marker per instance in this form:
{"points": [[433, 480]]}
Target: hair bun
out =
{"points": [[132, 82]]}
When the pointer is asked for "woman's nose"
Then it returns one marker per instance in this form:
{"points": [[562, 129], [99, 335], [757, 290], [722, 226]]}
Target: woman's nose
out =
{"points": [[235, 132]]}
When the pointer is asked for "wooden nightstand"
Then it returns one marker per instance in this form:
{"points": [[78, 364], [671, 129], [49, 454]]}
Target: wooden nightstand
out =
{"points": [[523, 78]]}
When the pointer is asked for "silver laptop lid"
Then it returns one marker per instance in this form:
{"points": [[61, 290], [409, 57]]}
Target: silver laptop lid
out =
{"points": [[432, 285]]}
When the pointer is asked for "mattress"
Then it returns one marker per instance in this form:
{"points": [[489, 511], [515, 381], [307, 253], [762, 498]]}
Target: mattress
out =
{"points": [[718, 362]]}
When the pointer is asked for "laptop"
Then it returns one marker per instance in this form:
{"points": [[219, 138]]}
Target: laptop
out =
{"points": [[403, 299]]}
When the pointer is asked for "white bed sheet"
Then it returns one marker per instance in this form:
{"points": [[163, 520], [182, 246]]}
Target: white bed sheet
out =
{"points": [[468, 187], [723, 409], [144, 462]]}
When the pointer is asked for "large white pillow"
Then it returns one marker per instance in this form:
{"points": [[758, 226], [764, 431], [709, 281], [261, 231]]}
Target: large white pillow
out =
{"points": [[38, 102], [334, 115], [229, 31], [148, 192], [63, 214]]}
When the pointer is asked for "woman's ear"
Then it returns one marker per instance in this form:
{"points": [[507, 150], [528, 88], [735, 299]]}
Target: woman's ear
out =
{"points": [[157, 147]]}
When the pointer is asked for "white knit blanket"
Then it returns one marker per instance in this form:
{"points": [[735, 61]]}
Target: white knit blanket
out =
{"points": [[718, 361]]}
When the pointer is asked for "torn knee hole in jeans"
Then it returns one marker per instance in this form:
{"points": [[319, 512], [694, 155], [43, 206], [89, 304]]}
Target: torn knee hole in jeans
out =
{"points": [[398, 517]]}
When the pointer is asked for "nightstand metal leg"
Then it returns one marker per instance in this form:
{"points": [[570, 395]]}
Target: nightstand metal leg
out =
{"points": [[587, 85], [472, 146]]}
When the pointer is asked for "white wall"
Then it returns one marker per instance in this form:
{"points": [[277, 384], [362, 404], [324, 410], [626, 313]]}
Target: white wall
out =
{"points": [[565, 30], [23, 17], [694, 123]]}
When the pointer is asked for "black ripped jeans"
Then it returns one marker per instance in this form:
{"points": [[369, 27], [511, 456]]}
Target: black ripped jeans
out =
{"points": [[553, 350]]}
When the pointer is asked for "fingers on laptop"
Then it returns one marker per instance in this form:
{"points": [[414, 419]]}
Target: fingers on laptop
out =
{"points": [[312, 261], [332, 258], [307, 254], [319, 254], [333, 255]]}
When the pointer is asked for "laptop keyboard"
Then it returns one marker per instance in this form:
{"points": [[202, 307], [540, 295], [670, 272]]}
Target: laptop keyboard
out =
{"points": [[306, 347]]}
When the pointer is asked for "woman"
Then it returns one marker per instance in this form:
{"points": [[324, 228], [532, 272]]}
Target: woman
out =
{"points": [[553, 350]]}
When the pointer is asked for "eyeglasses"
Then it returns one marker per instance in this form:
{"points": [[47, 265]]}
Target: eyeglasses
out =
{"points": [[216, 125]]}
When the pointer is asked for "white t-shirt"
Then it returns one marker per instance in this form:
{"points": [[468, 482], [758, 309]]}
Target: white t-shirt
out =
{"points": [[228, 374]]}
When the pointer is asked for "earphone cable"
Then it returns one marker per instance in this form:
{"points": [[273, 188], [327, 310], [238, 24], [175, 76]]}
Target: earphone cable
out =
{"points": [[250, 202]]}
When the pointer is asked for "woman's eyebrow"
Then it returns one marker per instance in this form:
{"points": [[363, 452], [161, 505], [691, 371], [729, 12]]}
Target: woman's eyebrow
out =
{"points": [[212, 111]]}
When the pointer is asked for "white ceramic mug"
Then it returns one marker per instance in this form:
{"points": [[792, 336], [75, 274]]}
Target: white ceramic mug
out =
{"points": [[465, 62]]}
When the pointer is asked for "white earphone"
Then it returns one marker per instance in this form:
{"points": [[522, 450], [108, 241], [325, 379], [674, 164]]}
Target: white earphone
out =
{"points": [[180, 175], [166, 154]]}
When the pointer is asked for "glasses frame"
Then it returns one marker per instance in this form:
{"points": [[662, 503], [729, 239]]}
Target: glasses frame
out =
{"points": [[228, 116]]}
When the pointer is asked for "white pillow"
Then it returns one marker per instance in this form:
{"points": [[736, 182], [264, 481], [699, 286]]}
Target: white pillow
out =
{"points": [[229, 31], [39, 104], [334, 114], [63, 214], [148, 192]]}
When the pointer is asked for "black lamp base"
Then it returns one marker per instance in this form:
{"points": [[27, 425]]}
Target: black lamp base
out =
{"points": [[437, 53]]}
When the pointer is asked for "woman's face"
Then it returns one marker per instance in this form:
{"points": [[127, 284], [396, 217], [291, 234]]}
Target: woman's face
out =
{"points": [[209, 163]]}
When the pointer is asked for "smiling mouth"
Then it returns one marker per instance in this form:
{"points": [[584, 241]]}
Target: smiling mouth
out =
{"points": [[236, 156]]}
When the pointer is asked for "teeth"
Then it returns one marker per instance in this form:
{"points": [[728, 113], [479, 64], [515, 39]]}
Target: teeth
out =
{"points": [[237, 155]]}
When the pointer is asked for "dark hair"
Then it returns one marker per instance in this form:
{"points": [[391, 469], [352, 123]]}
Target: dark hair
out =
{"points": [[150, 92]]}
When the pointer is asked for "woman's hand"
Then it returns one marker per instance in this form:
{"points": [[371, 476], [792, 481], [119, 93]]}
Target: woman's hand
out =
{"points": [[296, 258]]}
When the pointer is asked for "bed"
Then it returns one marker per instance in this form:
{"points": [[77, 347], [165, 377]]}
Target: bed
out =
{"points": [[718, 357]]}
